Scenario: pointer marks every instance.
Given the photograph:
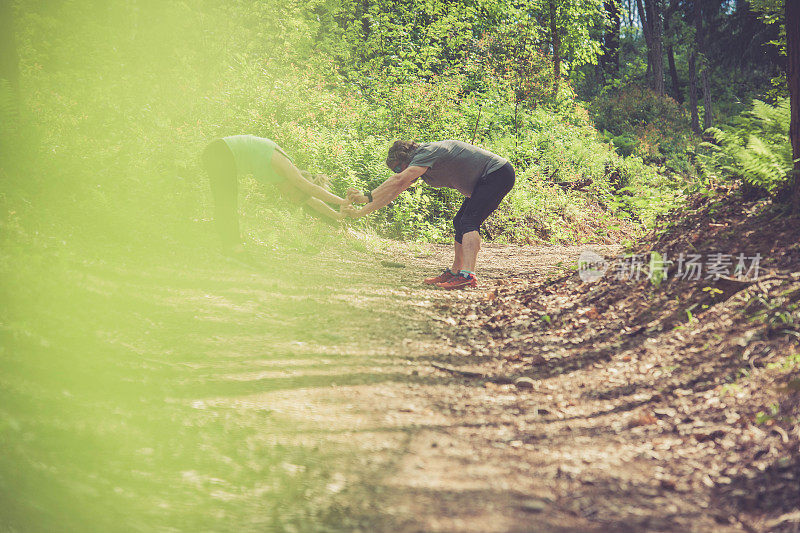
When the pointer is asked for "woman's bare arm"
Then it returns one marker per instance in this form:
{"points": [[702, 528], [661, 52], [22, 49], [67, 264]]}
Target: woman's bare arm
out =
{"points": [[285, 168], [322, 208]]}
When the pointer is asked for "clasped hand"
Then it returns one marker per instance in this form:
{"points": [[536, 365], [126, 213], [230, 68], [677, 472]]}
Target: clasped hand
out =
{"points": [[353, 196]]}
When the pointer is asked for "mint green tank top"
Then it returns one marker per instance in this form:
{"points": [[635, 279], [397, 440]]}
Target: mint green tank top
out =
{"points": [[253, 155]]}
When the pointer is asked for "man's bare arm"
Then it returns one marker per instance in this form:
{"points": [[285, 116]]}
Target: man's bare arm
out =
{"points": [[389, 190]]}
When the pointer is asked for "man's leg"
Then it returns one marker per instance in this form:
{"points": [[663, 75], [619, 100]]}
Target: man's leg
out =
{"points": [[458, 260], [458, 256], [486, 197], [470, 246]]}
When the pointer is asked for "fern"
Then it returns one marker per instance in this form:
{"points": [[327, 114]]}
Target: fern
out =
{"points": [[755, 148]]}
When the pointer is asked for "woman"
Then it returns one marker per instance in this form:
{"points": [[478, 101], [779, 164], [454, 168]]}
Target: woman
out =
{"points": [[482, 177], [226, 158]]}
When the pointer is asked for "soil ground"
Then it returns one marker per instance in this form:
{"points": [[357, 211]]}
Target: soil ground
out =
{"points": [[447, 453], [328, 389], [593, 442]]}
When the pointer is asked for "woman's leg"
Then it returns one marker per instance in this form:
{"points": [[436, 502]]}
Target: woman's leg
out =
{"points": [[221, 169]]}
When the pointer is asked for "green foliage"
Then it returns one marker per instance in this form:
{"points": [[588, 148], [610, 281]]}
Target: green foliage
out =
{"points": [[640, 122], [657, 269], [395, 41], [755, 148], [774, 414], [624, 145], [771, 12], [517, 62], [119, 131], [578, 22]]}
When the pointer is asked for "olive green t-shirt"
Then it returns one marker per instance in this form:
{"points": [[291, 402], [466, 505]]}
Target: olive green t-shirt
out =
{"points": [[455, 164], [253, 155]]}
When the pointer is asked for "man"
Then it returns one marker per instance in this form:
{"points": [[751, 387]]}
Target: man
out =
{"points": [[481, 176]]}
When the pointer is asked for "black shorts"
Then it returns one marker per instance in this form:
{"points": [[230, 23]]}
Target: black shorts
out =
{"points": [[488, 193]]}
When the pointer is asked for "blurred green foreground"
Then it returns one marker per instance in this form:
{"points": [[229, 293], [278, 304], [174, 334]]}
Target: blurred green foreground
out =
{"points": [[119, 319], [112, 378]]}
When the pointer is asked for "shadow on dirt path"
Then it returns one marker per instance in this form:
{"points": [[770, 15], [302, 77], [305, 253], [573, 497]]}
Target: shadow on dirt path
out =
{"points": [[461, 454], [439, 453], [281, 394]]}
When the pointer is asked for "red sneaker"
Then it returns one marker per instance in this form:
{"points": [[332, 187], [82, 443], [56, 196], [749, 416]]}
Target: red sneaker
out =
{"points": [[444, 276], [459, 281]]}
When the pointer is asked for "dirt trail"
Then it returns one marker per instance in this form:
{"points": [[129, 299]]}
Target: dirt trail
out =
{"points": [[443, 438], [312, 386], [446, 452]]}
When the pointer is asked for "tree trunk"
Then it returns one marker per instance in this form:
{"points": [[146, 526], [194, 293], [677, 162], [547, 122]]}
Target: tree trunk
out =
{"points": [[648, 37], [677, 93], [700, 46], [9, 60], [610, 58], [657, 26], [613, 44], [793, 77], [708, 115], [653, 28], [556, 40], [693, 91]]}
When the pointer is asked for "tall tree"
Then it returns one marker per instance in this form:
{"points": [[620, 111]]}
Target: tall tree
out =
{"points": [[701, 53], [9, 61], [573, 30], [656, 13], [792, 15], [698, 55], [609, 60], [693, 90], [673, 72], [647, 32], [653, 27]]}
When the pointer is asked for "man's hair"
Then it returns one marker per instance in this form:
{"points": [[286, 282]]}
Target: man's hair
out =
{"points": [[401, 152]]}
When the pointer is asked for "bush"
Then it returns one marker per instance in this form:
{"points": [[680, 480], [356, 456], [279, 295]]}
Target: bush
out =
{"points": [[656, 126], [625, 146]]}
